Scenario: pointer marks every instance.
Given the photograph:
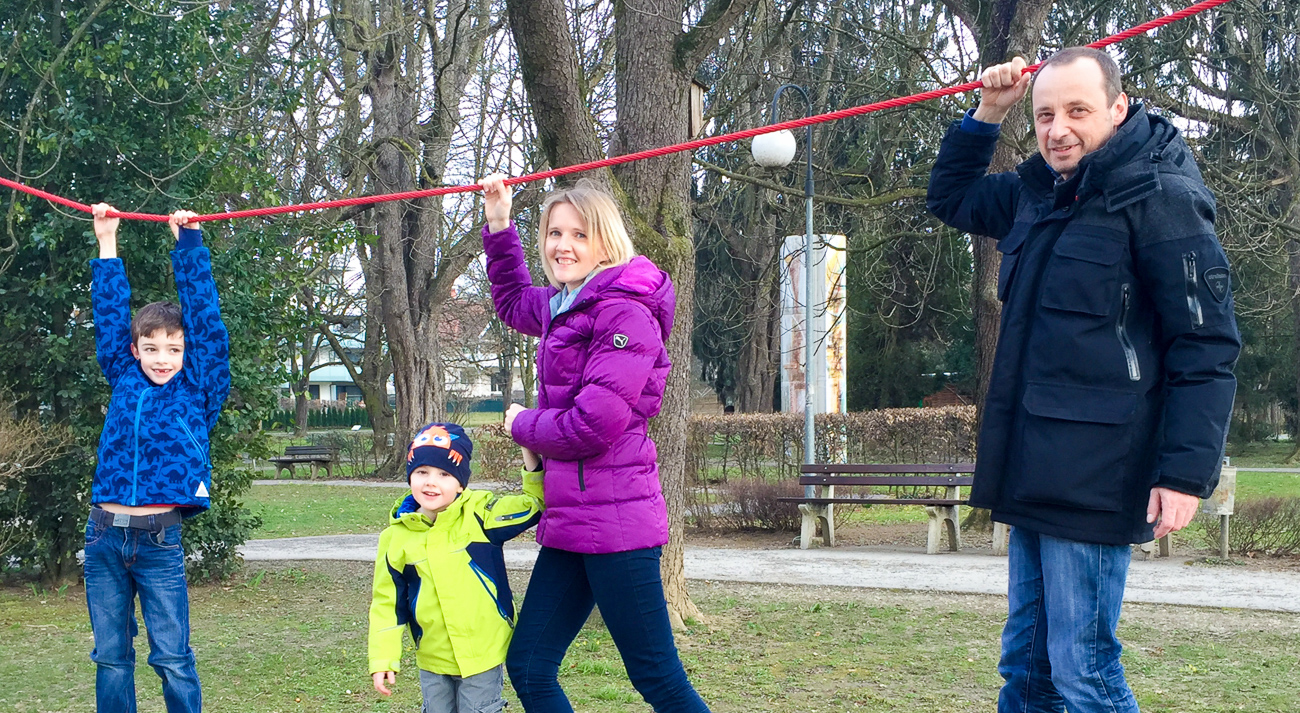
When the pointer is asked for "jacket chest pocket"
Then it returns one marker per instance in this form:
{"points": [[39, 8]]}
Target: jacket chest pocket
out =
{"points": [[565, 350], [1010, 249], [1083, 271]]}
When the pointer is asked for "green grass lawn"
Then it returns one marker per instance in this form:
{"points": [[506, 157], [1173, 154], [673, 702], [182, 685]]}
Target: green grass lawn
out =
{"points": [[303, 510], [1261, 455], [293, 639], [1267, 485]]}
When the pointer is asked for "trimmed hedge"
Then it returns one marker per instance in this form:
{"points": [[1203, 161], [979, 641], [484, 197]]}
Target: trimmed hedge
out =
{"points": [[770, 446], [738, 465]]}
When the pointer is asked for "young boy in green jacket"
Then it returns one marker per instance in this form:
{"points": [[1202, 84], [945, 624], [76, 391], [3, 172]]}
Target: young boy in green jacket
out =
{"points": [[440, 572]]}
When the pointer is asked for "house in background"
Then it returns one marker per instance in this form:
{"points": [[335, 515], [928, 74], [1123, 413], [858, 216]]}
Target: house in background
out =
{"points": [[471, 360]]}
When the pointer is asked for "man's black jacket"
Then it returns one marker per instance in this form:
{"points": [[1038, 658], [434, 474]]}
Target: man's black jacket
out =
{"points": [[1113, 371]]}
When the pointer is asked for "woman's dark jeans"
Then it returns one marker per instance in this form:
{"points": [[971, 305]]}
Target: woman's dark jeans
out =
{"points": [[627, 588]]}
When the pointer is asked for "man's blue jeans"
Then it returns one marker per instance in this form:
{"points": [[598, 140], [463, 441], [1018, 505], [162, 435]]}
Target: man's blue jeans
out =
{"points": [[627, 588], [122, 562], [1059, 648]]}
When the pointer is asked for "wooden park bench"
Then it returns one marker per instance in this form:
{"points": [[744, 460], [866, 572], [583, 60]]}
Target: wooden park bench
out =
{"points": [[944, 512], [317, 456]]}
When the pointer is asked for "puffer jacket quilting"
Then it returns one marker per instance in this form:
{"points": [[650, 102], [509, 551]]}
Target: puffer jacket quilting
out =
{"points": [[602, 367]]}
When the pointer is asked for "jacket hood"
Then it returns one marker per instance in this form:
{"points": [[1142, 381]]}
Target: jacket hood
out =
{"points": [[640, 281], [1126, 169], [407, 512]]}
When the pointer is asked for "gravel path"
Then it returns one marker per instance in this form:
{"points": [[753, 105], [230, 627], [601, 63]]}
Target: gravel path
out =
{"points": [[1159, 581]]}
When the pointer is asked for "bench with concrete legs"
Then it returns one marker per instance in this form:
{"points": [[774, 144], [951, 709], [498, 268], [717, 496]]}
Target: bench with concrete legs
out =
{"points": [[315, 456], [944, 512]]}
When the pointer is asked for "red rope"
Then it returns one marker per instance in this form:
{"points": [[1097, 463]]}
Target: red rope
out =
{"points": [[626, 158]]}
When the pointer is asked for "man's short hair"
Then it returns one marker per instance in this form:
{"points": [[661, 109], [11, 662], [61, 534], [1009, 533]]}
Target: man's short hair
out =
{"points": [[155, 316], [1111, 77]]}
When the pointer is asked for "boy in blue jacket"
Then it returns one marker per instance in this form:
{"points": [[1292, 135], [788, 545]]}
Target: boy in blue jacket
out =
{"points": [[169, 369]]}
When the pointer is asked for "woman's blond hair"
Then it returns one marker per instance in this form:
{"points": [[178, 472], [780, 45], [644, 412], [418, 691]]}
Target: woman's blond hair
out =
{"points": [[603, 219]]}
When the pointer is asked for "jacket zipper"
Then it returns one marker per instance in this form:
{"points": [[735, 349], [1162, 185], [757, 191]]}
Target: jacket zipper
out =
{"points": [[582, 483], [1121, 331], [484, 578], [199, 449], [135, 468], [1189, 278]]}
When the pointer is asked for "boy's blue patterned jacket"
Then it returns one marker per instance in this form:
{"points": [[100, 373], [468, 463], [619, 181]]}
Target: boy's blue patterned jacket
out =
{"points": [[154, 446]]}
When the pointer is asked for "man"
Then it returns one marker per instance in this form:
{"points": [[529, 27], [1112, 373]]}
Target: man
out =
{"points": [[1112, 384]]}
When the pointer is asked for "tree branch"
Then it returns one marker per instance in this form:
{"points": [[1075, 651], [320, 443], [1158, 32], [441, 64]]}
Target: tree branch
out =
{"points": [[872, 202], [696, 43]]}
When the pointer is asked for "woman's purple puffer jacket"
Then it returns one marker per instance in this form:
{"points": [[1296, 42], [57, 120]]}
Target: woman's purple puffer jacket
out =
{"points": [[602, 367]]}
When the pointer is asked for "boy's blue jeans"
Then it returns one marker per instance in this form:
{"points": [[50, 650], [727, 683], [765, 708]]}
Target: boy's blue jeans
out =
{"points": [[626, 586], [1059, 649], [122, 562]]}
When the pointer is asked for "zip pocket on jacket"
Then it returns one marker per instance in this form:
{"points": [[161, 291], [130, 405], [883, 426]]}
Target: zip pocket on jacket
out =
{"points": [[494, 591], [135, 469], [582, 482], [1190, 280], [197, 448], [1121, 331]]}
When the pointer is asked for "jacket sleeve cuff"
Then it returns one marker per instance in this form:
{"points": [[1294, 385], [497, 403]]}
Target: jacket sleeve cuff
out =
{"points": [[533, 483], [510, 230], [189, 239], [1199, 488], [381, 666], [971, 125]]}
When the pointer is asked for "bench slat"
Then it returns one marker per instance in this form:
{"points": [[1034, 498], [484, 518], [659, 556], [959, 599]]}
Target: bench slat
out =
{"points": [[935, 480], [830, 468], [873, 501], [307, 450]]}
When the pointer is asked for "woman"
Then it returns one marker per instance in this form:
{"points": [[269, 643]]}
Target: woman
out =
{"points": [[602, 366]]}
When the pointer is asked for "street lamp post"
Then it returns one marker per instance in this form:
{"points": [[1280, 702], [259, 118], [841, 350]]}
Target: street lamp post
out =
{"points": [[774, 151]]}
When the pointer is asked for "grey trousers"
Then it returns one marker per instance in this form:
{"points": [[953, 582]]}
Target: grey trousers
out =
{"points": [[480, 693]]}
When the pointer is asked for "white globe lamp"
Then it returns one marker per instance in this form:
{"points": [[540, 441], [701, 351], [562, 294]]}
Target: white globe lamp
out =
{"points": [[774, 150]]}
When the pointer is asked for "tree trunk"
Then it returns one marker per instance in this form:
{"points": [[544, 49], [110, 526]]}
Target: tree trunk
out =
{"points": [[528, 370], [1293, 280], [414, 260], [757, 264], [653, 101], [1003, 29], [300, 411], [393, 119], [655, 62]]}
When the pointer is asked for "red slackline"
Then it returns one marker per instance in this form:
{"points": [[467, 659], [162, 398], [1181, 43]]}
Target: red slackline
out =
{"points": [[626, 158]]}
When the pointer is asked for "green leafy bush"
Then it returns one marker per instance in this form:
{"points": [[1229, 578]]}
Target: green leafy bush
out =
{"points": [[46, 509]]}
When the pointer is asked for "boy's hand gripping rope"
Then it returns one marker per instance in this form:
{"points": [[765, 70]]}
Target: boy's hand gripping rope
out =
{"points": [[626, 158]]}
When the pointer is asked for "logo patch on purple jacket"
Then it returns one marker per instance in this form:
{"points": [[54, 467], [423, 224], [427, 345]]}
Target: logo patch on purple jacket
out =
{"points": [[620, 341]]}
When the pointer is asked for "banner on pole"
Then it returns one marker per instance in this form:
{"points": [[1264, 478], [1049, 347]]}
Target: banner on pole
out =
{"points": [[828, 332]]}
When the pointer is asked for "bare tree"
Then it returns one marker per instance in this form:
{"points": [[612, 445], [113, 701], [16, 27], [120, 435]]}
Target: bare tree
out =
{"points": [[655, 61], [414, 60], [25, 445], [1003, 29]]}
